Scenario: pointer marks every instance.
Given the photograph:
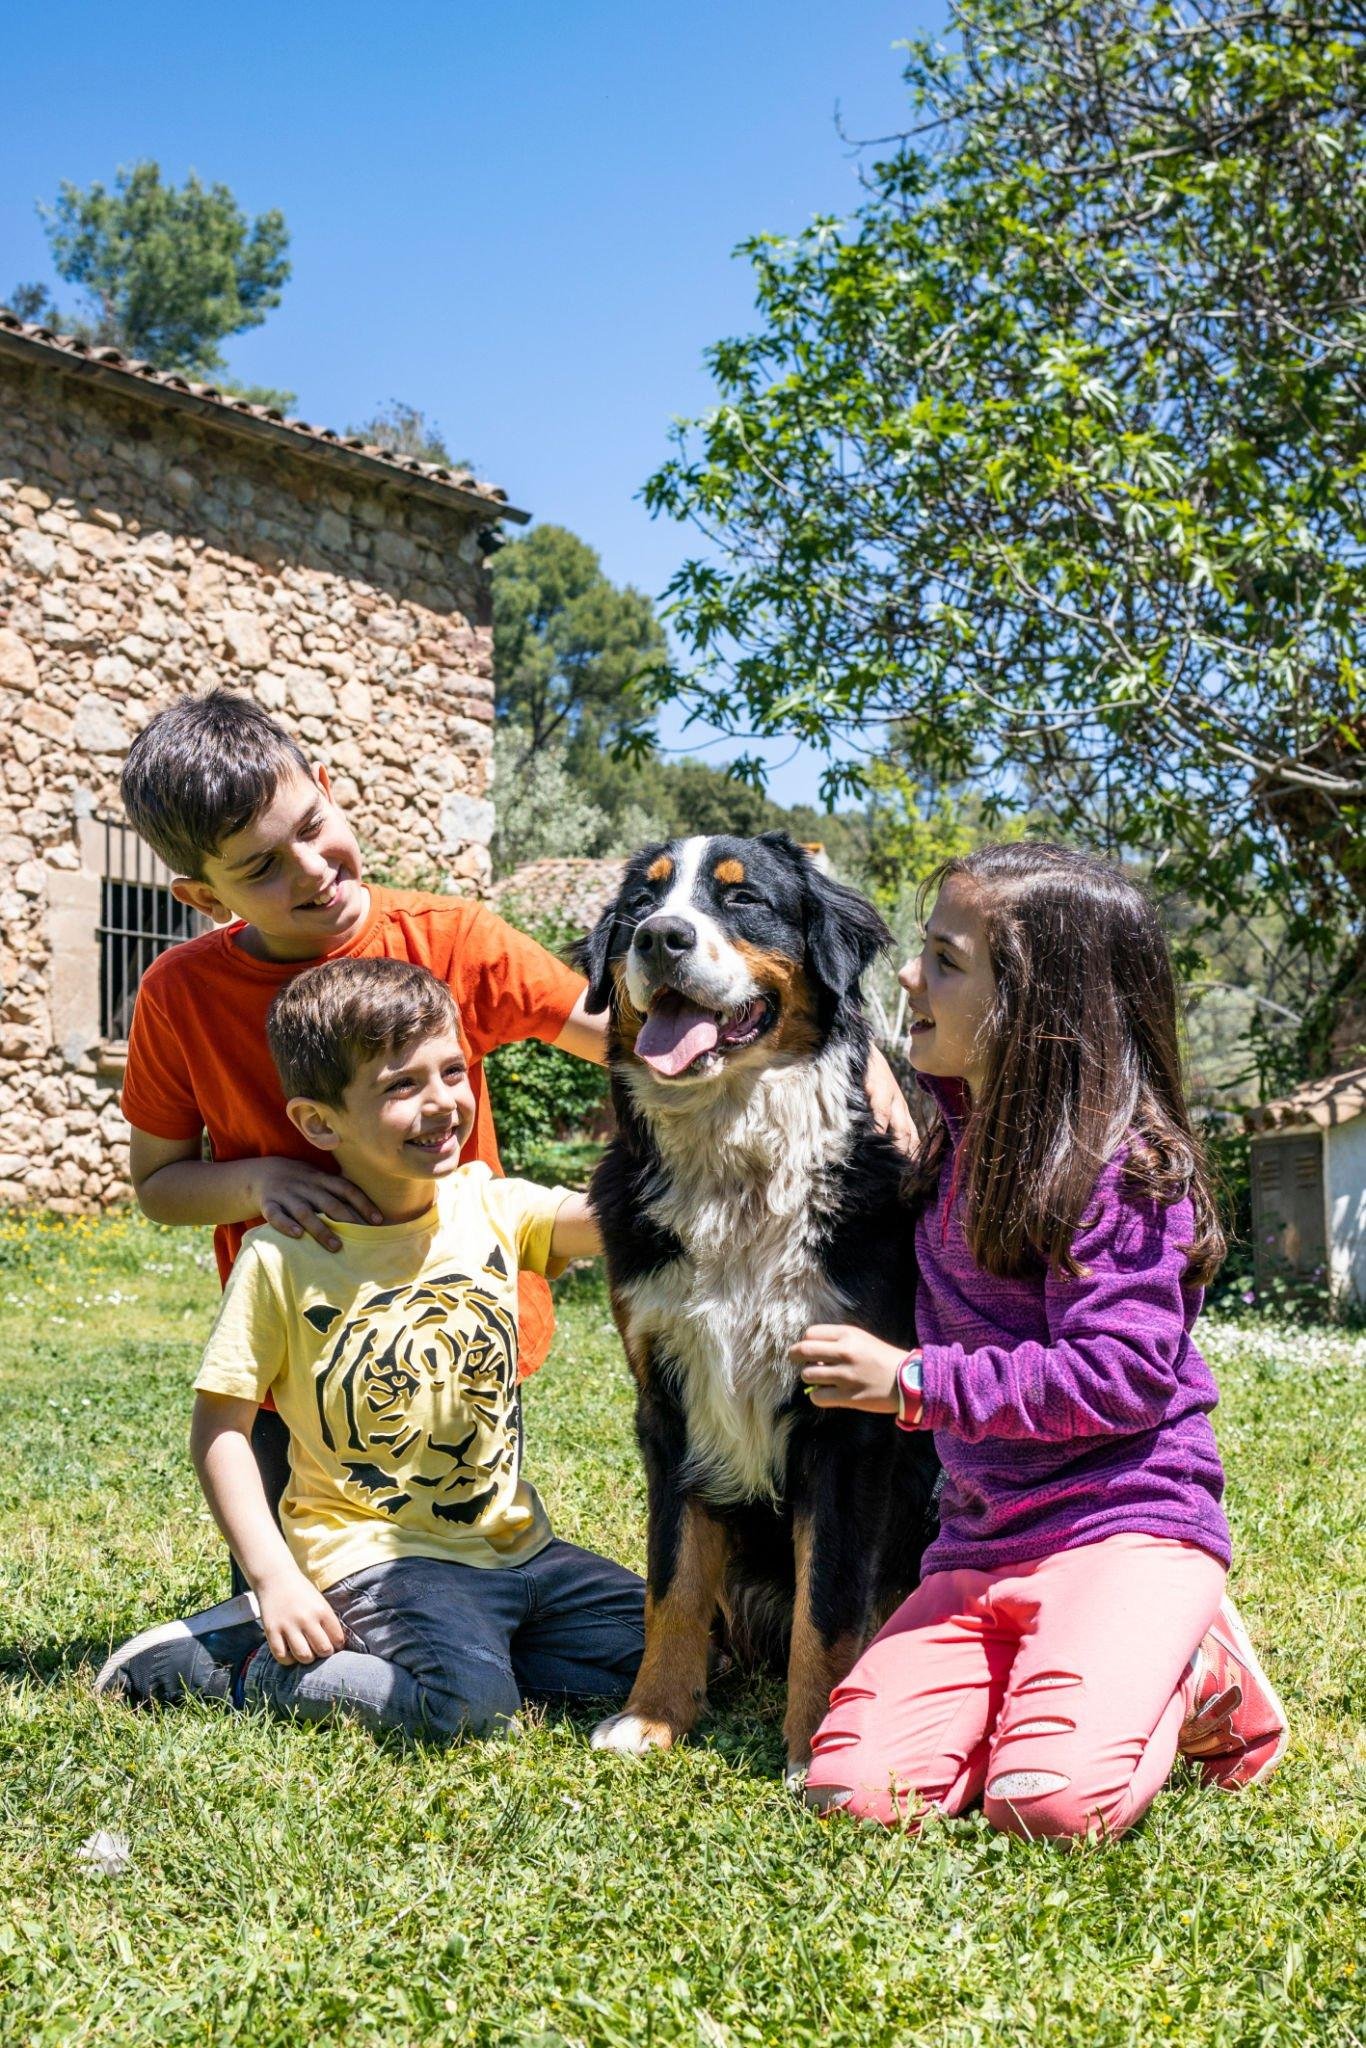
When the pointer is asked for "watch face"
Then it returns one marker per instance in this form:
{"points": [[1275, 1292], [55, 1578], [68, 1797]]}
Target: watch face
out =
{"points": [[909, 1386]]}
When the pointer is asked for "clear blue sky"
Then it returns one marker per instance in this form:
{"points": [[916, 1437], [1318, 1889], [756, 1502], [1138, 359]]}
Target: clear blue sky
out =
{"points": [[518, 218]]}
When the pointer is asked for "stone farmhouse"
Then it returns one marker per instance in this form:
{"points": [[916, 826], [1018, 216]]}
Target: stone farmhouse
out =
{"points": [[158, 536]]}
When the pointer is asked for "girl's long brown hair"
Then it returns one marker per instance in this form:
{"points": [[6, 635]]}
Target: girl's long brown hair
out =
{"points": [[1083, 1058]]}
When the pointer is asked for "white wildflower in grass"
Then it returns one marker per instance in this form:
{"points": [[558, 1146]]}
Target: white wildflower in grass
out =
{"points": [[105, 1854]]}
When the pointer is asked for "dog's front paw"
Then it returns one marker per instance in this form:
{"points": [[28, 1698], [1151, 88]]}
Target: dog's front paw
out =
{"points": [[632, 1734]]}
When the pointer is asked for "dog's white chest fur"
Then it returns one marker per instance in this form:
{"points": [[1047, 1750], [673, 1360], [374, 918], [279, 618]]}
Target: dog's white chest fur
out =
{"points": [[745, 1185]]}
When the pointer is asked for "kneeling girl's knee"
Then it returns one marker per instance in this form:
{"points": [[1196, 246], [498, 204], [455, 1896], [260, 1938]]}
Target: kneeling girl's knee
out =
{"points": [[891, 1805], [1044, 1806]]}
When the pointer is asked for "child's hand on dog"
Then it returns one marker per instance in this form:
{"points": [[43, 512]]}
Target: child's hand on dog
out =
{"points": [[846, 1368]]}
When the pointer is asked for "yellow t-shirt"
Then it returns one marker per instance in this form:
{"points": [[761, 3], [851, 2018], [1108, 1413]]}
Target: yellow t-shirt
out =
{"points": [[393, 1363]]}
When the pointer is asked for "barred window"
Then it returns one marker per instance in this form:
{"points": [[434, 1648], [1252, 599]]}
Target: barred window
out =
{"points": [[139, 918]]}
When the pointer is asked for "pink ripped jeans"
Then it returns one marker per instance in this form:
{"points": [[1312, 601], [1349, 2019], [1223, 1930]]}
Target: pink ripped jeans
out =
{"points": [[1054, 1691]]}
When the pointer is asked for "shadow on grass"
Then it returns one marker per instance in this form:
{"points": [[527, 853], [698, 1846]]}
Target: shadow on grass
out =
{"points": [[49, 1663], [743, 1729]]}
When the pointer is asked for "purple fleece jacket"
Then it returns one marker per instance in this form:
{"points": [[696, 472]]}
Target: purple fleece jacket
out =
{"points": [[1066, 1411]]}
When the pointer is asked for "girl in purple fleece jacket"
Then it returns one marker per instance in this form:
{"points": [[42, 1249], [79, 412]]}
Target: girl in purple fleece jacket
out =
{"points": [[1071, 1626]]}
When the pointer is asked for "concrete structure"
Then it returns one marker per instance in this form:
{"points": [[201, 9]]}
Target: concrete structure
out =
{"points": [[157, 537], [1309, 1186]]}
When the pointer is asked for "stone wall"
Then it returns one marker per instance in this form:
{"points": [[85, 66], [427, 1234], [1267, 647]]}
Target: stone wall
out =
{"points": [[144, 553]]}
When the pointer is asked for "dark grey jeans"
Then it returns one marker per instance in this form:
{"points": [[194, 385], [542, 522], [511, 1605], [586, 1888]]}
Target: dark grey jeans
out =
{"points": [[452, 1649]]}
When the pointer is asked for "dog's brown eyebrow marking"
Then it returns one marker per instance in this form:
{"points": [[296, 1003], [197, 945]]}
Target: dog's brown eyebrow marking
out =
{"points": [[729, 871], [659, 870]]}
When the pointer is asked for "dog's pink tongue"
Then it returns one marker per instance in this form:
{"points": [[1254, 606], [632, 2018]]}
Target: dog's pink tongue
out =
{"points": [[675, 1034]]}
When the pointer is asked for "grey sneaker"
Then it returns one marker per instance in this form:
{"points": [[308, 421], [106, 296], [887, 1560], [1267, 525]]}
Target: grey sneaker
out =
{"points": [[200, 1656]]}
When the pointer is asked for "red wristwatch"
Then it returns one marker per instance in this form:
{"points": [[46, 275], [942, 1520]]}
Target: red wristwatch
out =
{"points": [[910, 1388]]}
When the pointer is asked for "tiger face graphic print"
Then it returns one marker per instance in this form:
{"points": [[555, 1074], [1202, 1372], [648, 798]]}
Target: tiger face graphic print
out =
{"points": [[417, 1396]]}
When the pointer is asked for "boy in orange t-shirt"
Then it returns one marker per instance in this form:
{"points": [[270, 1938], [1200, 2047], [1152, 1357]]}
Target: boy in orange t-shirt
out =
{"points": [[250, 831]]}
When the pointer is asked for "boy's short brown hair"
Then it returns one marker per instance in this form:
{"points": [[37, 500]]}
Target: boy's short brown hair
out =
{"points": [[200, 771], [328, 1021]]}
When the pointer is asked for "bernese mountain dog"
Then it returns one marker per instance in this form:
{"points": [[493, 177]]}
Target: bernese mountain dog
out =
{"points": [[747, 1193]]}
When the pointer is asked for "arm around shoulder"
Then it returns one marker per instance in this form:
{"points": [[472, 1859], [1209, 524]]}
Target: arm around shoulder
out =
{"points": [[174, 1183], [148, 1156], [584, 1033], [510, 988], [891, 1111]]}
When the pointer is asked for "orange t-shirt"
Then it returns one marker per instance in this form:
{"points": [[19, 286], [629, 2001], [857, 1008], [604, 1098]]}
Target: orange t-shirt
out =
{"points": [[198, 1059]]}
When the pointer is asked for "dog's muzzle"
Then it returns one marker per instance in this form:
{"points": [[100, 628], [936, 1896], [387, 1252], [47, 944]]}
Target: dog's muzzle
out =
{"points": [[697, 1009]]}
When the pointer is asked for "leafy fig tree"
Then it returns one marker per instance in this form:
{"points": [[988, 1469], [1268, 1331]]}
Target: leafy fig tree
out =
{"points": [[1052, 457]]}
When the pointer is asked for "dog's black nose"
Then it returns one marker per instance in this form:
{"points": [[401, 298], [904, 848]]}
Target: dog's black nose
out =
{"points": [[661, 939]]}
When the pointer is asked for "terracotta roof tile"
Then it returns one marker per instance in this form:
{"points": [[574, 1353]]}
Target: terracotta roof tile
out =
{"points": [[349, 451], [1335, 1100], [573, 890]]}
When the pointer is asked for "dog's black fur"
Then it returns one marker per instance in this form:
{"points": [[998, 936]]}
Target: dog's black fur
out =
{"points": [[832, 1542]]}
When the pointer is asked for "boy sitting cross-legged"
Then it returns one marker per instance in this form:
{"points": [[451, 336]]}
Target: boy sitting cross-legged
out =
{"points": [[417, 1585]]}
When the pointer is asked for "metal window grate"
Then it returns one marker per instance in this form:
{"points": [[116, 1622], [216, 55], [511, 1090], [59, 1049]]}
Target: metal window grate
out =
{"points": [[139, 918]]}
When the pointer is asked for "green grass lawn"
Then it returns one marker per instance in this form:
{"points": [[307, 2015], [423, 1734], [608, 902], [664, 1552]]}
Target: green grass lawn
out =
{"points": [[297, 1886]]}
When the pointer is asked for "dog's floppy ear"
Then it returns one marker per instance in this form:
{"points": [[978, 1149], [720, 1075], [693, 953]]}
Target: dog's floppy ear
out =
{"points": [[591, 958], [844, 934]]}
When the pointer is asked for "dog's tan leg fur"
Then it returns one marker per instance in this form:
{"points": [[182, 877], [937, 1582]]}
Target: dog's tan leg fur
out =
{"points": [[814, 1667], [670, 1691]]}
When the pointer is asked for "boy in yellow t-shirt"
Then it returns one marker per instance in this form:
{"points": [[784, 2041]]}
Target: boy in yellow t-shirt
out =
{"points": [[417, 1584]]}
